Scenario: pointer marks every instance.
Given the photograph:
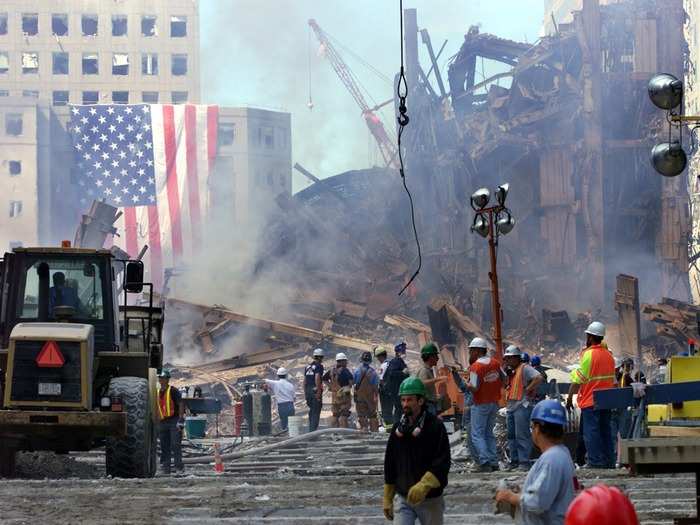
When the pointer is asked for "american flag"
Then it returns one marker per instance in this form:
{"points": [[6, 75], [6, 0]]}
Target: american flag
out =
{"points": [[153, 162]]}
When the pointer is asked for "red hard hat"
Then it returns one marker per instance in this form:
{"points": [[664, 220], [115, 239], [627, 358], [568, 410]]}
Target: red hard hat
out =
{"points": [[601, 505]]}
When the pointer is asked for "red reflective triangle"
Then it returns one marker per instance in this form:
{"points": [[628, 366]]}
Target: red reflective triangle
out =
{"points": [[50, 356]]}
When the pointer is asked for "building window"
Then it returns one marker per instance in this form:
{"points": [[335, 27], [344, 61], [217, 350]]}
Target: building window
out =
{"points": [[3, 23], [90, 64], [15, 244], [266, 137], [30, 63], [120, 64], [148, 26], [88, 24], [60, 98], [120, 24], [179, 97], [4, 93], [15, 167], [120, 97], [30, 24], [60, 63], [178, 26], [13, 124], [59, 24], [179, 65], [149, 97], [15, 208], [30, 93], [149, 64], [226, 134], [91, 97], [4, 62]]}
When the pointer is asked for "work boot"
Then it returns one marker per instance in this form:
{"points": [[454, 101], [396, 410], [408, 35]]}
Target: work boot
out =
{"points": [[481, 468]]}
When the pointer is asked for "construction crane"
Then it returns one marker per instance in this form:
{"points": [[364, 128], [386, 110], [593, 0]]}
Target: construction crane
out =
{"points": [[386, 145]]}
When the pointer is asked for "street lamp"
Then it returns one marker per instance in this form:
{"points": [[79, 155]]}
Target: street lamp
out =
{"points": [[491, 222]]}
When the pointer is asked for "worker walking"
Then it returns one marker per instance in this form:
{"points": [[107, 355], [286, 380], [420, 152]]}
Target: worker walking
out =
{"points": [[285, 394], [520, 394], [429, 354], [366, 394], [339, 380], [396, 372], [596, 372], [551, 482], [385, 401], [485, 381], [313, 388], [171, 410], [416, 462]]}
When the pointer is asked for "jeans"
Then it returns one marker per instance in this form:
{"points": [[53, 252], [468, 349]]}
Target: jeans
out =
{"points": [[430, 512], [387, 407], [597, 434], [467, 427], [315, 406], [170, 444], [483, 421], [285, 410], [398, 410], [623, 423], [519, 438]]}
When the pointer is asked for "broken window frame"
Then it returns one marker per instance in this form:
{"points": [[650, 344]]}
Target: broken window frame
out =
{"points": [[61, 18], [89, 59], [150, 97], [90, 100], [120, 64], [3, 23], [176, 61], [30, 24], [120, 25], [85, 29], [4, 59], [179, 97], [14, 124], [14, 168], [149, 26], [15, 209], [60, 55], [149, 64], [118, 97], [30, 63], [178, 26], [60, 98], [226, 134]]}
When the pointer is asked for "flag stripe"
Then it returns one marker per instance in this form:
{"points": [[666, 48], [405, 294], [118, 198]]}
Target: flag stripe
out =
{"points": [[156, 256], [131, 231], [212, 134], [163, 215], [192, 174], [182, 190], [171, 179]]}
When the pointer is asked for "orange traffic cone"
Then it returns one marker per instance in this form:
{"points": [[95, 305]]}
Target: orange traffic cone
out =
{"points": [[218, 463]]}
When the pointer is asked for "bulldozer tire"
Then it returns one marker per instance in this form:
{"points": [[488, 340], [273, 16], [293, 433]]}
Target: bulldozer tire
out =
{"points": [[134, 455]]}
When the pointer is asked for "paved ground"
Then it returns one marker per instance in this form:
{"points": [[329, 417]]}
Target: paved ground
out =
{"points": [[279, 487]]}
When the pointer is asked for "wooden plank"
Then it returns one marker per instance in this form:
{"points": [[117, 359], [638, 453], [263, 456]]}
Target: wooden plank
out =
{"points": [[403, 321], [666, 431]]}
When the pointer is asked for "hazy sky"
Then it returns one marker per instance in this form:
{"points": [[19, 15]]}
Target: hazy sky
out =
{"points": [[261, 53]]}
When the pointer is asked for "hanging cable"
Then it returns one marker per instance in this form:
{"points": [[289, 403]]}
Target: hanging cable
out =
{"points": [[402, 118]]}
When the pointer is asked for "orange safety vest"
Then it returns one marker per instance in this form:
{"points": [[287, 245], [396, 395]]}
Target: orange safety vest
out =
{"points": [[516, 388], [597, 372], [166, 404], [490, 382]]}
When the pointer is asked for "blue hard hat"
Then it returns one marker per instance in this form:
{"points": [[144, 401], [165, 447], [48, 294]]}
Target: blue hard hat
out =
{"points": [[525, 357], [400, 347], [536, 360], [549, 411]]}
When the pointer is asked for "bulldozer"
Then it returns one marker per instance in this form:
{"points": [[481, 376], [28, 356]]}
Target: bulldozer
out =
{"points": [[80, 345]]}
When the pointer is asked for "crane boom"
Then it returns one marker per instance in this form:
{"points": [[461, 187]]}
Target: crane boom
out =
{"points": [[386, 146]]}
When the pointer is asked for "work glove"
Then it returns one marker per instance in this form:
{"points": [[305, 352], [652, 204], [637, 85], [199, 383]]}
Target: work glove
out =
{"points": [[388, 503], [418, 492]]}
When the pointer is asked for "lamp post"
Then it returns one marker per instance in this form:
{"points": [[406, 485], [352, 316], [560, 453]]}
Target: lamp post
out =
{"points": [[490, 222]]}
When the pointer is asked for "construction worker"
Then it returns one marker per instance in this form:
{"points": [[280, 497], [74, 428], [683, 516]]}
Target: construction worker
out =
{"points": [[551, 482], [395, 373], [285, 393], [596, 371], [384, 396], [366, 393], [601, 505], [171, 410], [313, 388], [485, 381], [416, 462], [622, 417], [543, 387], [520, 395], [339, 380], [430, 354]]}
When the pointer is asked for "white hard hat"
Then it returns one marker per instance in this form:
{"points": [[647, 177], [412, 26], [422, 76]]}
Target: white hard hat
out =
{"points": [[281, 371], [341, 357], [596, 328], [478, 342], [512, 350], [318, 352]]}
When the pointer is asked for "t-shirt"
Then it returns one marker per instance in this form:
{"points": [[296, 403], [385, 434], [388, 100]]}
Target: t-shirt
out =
{"points": [[529, 374], [548, 488], [310, 374], [395, 373], [382, 369], [426, 373], [369, 374], [344, 377], [282, 389], [486, 376]]}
